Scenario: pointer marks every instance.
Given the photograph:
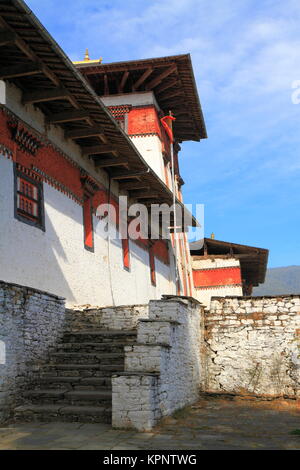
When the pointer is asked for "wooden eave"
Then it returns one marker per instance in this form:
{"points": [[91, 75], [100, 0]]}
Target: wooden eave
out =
{"points": [[51, 82], [170, 78], [253, 260]]}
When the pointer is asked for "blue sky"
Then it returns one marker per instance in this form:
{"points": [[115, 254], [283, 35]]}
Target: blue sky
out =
{"points": [[246, 55]]}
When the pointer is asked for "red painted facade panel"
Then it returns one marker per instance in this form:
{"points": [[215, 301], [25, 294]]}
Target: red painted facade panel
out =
{"points": [[217, 277], [143, 121]]}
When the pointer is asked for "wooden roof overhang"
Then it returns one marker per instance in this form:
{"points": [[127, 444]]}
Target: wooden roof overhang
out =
{"points": [[33, 61], [170, 78], [253, 260]]}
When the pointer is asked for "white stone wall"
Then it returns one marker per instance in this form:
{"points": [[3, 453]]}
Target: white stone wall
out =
{"points": [[123, 317], [163, 371], [31, 322], [204, 295], [56, 260], [253, 346]]}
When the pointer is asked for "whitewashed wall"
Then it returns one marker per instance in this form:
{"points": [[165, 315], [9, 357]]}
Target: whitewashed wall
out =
{"points": [[57, 262], [163, 371], [149, 147], [253, 346]]}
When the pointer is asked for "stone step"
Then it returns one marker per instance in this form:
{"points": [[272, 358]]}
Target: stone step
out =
{"points": [[82, 370], [92, 366], [87, 358], [89, 347], [66, 397], [60, 413], [73, 383], [99, 336]]}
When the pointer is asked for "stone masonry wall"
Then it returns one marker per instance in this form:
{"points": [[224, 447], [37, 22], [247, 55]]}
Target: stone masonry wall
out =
{"points": [[253, 346], [124, 317], [31, 322], [163, 371]]}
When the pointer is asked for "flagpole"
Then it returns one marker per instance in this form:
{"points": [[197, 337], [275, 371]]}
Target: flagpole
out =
{"points": [[169, 130], [175, 215]]}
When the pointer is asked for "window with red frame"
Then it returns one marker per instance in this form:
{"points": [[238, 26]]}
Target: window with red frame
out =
{"points": [[29, 200], [152, 266], [126, 256], [88, 224]]}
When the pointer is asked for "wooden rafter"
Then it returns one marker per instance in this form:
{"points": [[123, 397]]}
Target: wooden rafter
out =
{"points": [[123, 81], [15, 71], [84, 133], [106, 86], [129, 174], [133, 186], [144, 195], [168, 85], [142, 79], [99, 149], [68, 116], [170, 95], [7, 37], [157, 80], [107, 162], [41, 96]]}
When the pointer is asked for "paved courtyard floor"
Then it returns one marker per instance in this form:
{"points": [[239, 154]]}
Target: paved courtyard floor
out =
{"points": [[210, 424]]}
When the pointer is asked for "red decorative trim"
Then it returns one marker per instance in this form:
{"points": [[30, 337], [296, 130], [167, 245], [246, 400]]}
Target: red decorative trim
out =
{"points": [[31, 173], [57, 185], [120, 110], [145, 134], [6, 152], [216, 269], [24, 139], [223, 286]]}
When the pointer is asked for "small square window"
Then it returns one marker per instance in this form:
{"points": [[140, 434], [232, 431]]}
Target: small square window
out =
{"points": [[29, 204]]}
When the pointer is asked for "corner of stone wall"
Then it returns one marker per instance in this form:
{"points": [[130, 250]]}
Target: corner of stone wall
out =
{"points": [[31, 322], [163, 369]]}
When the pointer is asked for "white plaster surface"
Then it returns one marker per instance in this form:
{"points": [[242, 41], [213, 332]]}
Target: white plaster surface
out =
{"points": [[57, 262], [133, 99], [149, 147]]}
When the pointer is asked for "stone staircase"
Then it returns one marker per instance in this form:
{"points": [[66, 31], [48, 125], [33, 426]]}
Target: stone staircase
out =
{"points": [[75, 385]]}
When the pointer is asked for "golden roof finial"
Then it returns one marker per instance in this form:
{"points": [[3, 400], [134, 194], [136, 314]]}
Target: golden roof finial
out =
{"points": [[87, 59], [87, 55], [212, 236]]}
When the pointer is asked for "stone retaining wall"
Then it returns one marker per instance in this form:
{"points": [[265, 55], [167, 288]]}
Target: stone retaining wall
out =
{"points": [[163, 371], [31, 322], [253, 346]]}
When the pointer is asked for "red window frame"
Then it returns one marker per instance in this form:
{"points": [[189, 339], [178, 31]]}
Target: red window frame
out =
{"points": [[29, 204], [152, 267], [88, 224], [27, 199], [126, 254]]}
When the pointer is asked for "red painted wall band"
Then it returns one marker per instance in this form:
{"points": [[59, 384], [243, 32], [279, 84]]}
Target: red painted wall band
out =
{"points": [[217, 277]]}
